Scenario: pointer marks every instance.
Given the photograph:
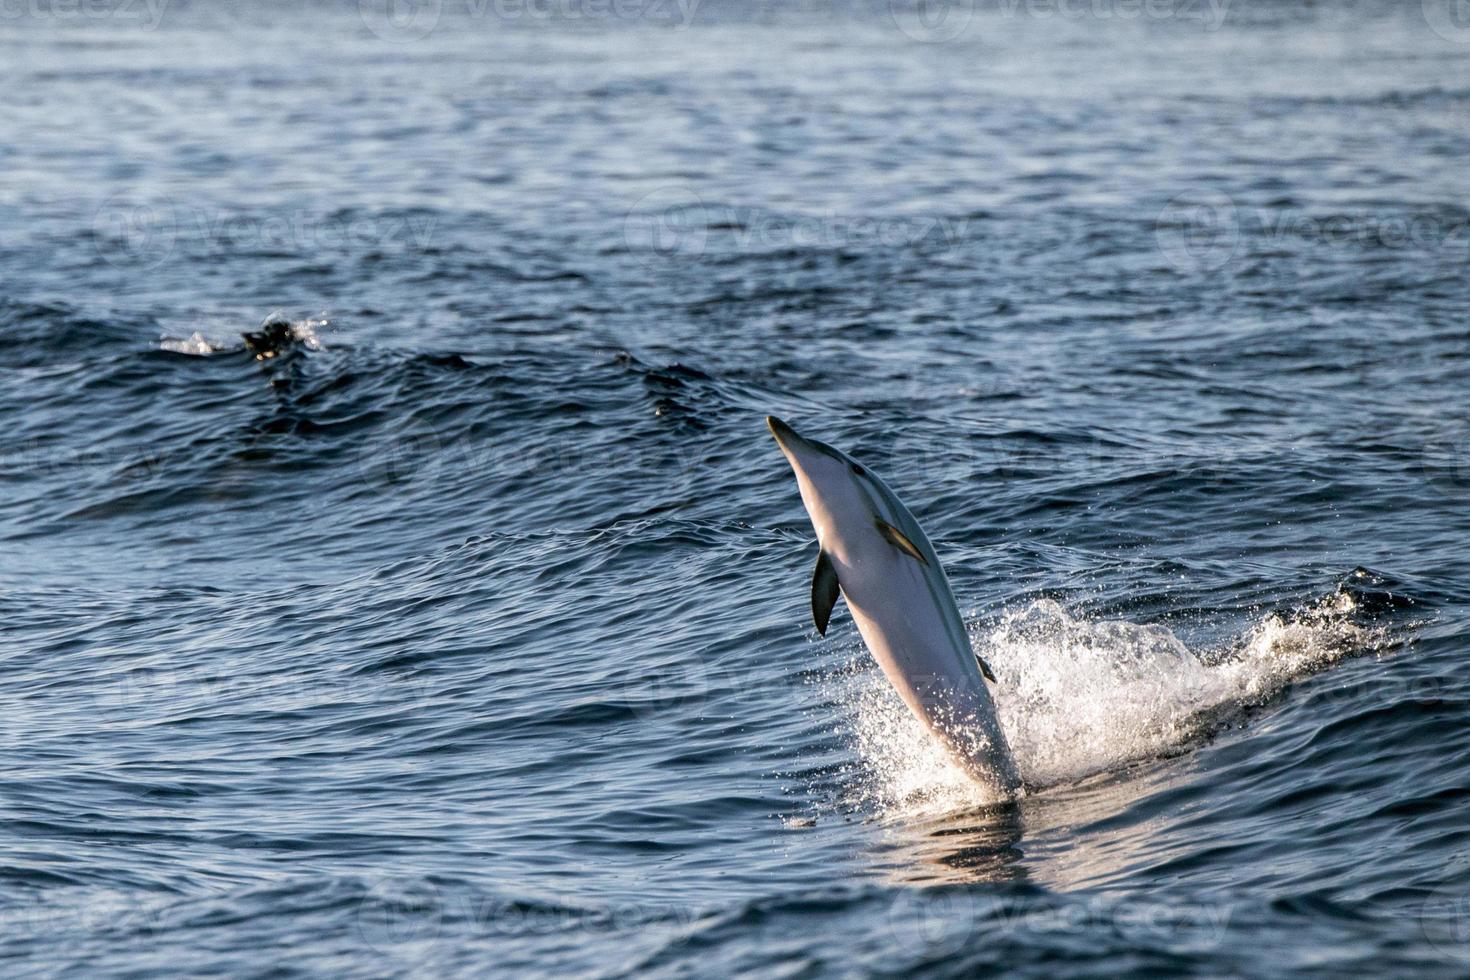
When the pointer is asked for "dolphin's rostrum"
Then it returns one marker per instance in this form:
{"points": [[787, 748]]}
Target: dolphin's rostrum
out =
{"points": [[873, 550]]}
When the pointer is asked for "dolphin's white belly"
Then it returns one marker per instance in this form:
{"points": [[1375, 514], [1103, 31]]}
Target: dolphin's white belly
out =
{"points": [[901, 622]]}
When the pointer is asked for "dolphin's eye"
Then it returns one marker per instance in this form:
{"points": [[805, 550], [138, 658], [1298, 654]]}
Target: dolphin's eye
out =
{"points": [[857, 470]]}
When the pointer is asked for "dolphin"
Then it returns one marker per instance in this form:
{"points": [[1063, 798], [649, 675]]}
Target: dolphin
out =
{"points": [[872, 549]]}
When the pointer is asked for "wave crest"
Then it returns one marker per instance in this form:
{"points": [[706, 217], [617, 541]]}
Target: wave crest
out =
{"points": [[1079, 696]]}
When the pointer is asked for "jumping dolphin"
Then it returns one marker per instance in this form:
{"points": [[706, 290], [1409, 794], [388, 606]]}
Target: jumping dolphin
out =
{"points": [[871, 548]]}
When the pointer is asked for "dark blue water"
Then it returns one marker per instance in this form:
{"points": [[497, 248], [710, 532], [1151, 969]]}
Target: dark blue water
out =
{"points": [[458, 626]]}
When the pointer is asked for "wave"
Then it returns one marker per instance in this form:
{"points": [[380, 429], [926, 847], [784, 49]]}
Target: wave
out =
{"points": [[1079, 696]]}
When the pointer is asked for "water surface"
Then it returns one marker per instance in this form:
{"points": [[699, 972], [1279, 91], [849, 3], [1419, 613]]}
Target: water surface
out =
{"points": [[468, 634]]}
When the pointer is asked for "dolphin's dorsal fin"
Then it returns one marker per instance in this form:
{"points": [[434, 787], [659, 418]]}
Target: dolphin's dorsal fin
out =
{"points": [[985, 670], [898, 540], [824, 591]]}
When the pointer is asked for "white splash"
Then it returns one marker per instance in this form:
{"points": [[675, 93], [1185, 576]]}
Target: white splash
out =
{"points": [[304, 332], [1079, 696], [196, 344]]}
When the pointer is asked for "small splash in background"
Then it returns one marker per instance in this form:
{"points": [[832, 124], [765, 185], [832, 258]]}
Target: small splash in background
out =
{"points": [[277, 333], [1079, 696]]}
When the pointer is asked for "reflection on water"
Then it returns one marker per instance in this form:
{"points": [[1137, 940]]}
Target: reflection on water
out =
{"points": [[1081, 836], [980, 845]]}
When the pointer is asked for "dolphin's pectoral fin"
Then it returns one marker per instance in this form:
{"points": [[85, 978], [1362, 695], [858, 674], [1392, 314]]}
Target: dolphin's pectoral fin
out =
{"points": [[824, 591], [985, 670], [896, 538]]}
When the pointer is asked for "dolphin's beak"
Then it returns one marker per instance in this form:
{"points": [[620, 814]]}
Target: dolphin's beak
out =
{"points": [[802, 453], [792, 443], [786, 436]]}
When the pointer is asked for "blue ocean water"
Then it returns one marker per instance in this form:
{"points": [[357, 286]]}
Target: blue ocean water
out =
{"points": [[456, 624]]}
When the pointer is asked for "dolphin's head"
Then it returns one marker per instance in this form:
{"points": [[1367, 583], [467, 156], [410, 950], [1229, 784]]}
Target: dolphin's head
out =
{"points": [[832, 485]]}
